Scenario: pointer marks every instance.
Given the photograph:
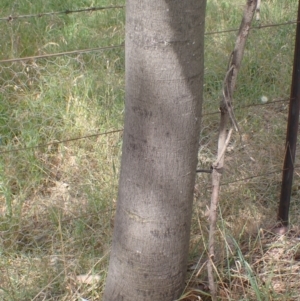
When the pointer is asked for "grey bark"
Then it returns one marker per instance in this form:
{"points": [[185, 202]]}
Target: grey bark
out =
{"points": [[164, 78]]}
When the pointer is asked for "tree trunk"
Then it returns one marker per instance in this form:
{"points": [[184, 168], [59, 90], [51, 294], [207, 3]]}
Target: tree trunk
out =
{"points": [[164, 78]]}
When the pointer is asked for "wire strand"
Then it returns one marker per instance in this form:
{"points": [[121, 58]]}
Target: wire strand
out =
{"points": [[249, 106], [66, 12], [122, 45], [93, 9], [120, 130], [251, 28], [60, 54], [60, 141], [251, 177], [248, 178]]}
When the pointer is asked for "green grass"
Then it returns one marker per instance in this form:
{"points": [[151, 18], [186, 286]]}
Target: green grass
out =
{"points": [[57, 201]]}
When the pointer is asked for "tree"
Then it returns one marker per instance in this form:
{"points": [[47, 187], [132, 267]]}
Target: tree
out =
{"points": [[164, 79]]}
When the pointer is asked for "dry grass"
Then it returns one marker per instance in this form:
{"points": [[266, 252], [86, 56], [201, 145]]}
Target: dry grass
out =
{"points": [[251, 262], [265, 267], [63, 229]]}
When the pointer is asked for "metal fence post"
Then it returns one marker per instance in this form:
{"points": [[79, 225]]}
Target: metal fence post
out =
{"points": [[291, 136]]}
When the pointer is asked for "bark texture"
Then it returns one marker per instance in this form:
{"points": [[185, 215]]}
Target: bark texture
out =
{"points": [[164, 78]]}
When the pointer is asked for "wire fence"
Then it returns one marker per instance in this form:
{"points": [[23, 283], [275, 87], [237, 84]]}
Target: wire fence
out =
{"points": [[61, 123], [24, 72], [78, 51], [120, 130]]}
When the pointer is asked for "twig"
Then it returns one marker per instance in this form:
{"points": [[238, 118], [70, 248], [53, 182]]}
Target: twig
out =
{"points": [[220, 156], [226, 111]]}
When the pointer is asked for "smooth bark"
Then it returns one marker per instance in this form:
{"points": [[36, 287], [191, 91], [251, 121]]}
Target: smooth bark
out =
{"points": [[164, 79]]}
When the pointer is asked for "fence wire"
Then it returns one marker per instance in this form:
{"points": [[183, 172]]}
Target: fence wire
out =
{"points": [[120, 130], [78, 51], [64, 12]]}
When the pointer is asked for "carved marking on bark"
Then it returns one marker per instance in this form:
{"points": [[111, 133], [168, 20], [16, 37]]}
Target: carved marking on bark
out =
{"points": [[137, 218]]}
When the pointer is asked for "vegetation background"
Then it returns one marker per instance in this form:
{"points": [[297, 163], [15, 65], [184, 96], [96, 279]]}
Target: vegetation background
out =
{"points": [[57, 200]]}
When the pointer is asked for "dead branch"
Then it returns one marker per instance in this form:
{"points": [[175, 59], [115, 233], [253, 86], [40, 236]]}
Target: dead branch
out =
{"points": [[227, 113]]}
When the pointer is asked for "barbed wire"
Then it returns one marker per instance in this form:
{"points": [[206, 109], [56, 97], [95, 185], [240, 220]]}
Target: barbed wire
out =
{"points": [[66, 12], [120, 130], [92, 9]]}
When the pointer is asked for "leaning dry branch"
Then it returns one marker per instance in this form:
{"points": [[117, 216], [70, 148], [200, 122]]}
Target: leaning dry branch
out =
{"points": [[226, 110]]}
